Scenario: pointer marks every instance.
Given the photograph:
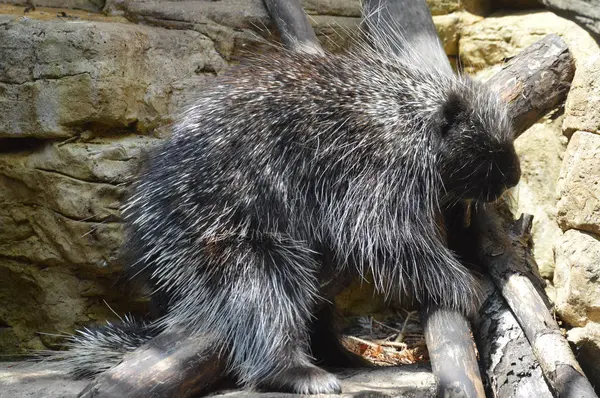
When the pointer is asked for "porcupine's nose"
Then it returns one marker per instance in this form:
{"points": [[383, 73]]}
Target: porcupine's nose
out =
{"points": [[511, 168], [512, 175], [505, 175]]}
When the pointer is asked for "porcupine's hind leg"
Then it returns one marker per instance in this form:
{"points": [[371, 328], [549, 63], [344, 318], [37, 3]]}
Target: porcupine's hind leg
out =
{"points": [[267, 299]]}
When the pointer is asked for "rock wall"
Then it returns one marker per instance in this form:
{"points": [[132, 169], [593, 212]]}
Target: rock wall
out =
{"points": [[84, 94]]}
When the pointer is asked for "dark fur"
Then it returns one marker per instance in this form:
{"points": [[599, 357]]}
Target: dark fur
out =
{"points": [[296, 156]]}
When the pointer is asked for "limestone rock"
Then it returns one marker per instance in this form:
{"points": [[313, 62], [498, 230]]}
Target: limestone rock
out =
{"points": [[88, 5], [58, 78], [237, 27], [501, 36], [582, 109], [60, 234], [577, 278], [449, 28], [587, 341], [335, 33], [440, 7], [579, 184], [540, 149], [342, 8], [231, 24]]}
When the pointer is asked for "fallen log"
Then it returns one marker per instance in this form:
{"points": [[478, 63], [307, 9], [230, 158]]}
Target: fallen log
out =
{"points": [[535, 81], [506, 357], [452, 352], [180, 348], [509, 264], [170, 365]]}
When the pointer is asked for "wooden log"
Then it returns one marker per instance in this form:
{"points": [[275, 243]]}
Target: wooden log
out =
{"points": [[452, 353], [170, 365], [526, 83], [535, 81], [292, 23], [24, 379], [508, 263], [506, 357]]}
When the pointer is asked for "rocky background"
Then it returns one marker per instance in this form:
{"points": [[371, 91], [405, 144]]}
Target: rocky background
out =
{"points": [[86, 86]]}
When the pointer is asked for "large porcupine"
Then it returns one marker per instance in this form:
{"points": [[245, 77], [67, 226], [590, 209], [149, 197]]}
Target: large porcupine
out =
{"points": [[290, 159]]}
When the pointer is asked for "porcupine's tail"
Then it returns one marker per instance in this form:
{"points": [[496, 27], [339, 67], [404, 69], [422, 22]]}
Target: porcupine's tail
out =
{"points": [[94, 350]]}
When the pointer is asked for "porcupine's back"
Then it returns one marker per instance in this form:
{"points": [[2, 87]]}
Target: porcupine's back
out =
{"points": [[275, 147]]}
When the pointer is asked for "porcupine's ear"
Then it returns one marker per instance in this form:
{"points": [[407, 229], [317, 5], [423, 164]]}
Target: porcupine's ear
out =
{"points": [[453, 111]]}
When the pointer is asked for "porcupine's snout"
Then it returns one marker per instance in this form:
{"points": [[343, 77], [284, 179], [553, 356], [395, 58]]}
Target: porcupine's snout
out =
{"points": [[505, 173]]}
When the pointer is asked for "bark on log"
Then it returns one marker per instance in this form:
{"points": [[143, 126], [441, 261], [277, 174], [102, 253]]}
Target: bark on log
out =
{"points": [[531, 88], [507, 262], [506, 357], [535, 81], [452, 353], [170, 365]]}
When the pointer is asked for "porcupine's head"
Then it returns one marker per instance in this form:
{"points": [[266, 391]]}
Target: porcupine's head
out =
{"points": [[476, 156]]}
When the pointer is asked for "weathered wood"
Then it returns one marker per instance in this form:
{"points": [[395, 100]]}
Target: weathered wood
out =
{"points": [[506, 357], [452, 353], [532, 88], [535, 81], [292, 23], [506, 262], [23, 379], [170, 365]]}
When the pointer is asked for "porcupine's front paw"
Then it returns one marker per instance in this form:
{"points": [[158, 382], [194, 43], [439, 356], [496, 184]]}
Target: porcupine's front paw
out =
{"points": [[308, 379]]}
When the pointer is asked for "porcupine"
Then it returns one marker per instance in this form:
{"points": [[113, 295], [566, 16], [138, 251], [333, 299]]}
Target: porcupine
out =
{"points": [[290, 159]]}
